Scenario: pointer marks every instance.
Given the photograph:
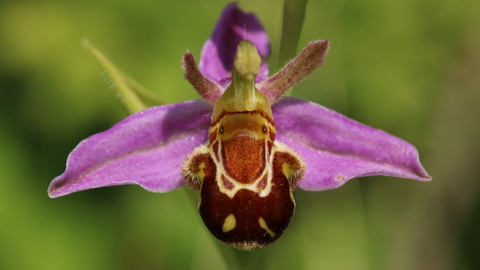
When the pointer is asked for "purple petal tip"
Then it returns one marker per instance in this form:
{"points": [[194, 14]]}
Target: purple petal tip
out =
{"points": [[218, 53], [336, 148], [146, 148]]}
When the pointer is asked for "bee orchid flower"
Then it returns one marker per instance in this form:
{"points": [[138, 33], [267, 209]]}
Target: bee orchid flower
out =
{"points": [[243, 145]]}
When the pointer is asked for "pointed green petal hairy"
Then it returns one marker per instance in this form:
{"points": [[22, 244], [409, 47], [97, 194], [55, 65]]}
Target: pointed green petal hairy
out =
{"points": [[132, 95], [311, 57]]}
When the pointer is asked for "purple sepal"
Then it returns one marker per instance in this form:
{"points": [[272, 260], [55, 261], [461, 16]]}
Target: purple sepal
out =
{"points": [[146, 148], [336, 148], [218, 53]]}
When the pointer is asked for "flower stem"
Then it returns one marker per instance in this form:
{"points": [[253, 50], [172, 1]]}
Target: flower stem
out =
{"points": [[293, 16], [240, 260]]}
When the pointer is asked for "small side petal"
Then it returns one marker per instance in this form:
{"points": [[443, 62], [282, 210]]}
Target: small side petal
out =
{"points": [[234, 25], [146, 148], [311, 57], [336, 148], [209, 90]]}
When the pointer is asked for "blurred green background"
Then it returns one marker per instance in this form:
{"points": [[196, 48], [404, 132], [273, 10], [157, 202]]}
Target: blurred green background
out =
{"points": [[411, 68]]}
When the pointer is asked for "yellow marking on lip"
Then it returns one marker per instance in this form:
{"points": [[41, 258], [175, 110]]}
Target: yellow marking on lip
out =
{"points": [[201, 173], [264, 226], [229, 224], [287, 171]]}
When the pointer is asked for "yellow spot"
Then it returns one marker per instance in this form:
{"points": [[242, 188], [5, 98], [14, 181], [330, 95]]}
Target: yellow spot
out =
{"points": [[264, 226], [201, 173], [229, 223], [287, 171]]}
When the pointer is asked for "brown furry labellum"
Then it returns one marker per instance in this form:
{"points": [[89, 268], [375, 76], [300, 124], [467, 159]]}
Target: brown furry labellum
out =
{"points": [[244, 176]]}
